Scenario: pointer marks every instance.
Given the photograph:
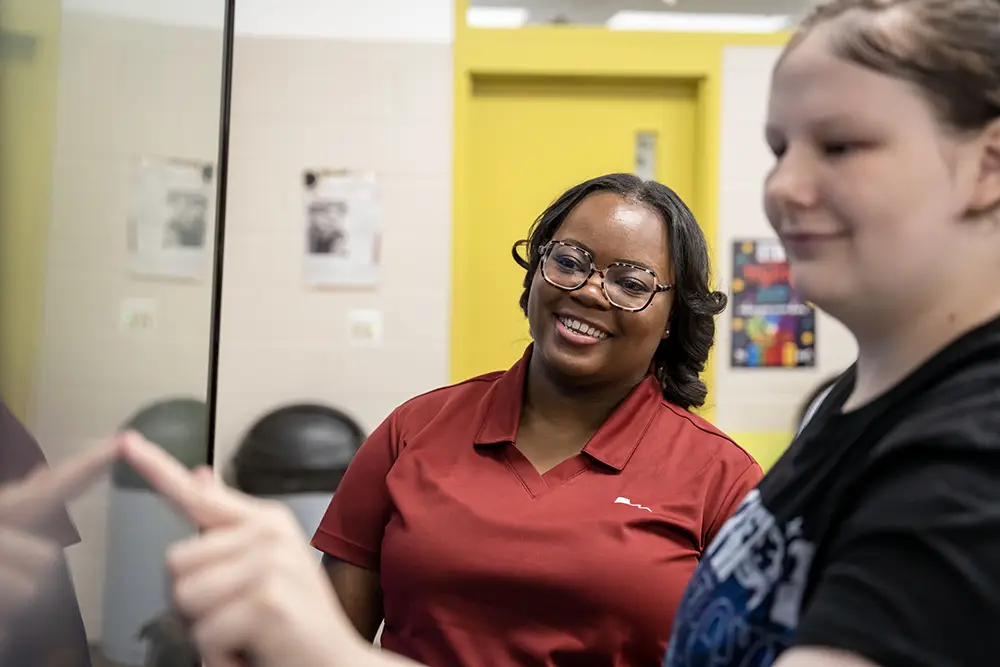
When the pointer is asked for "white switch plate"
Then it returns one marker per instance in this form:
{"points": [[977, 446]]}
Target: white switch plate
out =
{"points": [[138, 317], [364, 327]]}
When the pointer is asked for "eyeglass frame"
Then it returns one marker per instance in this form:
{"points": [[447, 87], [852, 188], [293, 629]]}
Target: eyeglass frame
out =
{"points": [[545, 250]]}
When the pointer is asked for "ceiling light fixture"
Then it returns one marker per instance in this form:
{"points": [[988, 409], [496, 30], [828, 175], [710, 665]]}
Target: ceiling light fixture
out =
{"points": [[496, 17], [691, 22]]}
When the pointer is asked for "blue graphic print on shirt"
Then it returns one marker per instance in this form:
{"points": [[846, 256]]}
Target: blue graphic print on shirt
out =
{"points": [[742, 604]]}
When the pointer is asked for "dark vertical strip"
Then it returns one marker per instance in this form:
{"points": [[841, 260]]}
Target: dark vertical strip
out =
{"points": [[222, 182]]}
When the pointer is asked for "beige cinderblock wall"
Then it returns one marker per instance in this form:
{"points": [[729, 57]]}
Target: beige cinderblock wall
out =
{"points": [[311, 103], [126, 88], [130, 87], [758, 400]]}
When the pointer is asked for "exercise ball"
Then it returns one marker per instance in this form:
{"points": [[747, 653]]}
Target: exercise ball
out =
{"points": [[141, 526], [297, 455]]}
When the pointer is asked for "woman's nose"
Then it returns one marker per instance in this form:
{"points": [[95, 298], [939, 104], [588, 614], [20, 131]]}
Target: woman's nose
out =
{"points": [[791, 184], [592, 293]]}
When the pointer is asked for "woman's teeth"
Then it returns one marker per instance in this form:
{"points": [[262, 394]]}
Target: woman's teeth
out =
{"points": [[580, 327]]}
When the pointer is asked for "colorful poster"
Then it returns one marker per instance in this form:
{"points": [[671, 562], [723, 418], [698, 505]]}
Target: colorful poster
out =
{"points": [[772, 326]]}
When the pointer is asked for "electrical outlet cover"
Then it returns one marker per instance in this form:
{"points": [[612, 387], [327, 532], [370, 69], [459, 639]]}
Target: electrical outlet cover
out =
{"points": [[364, 327], [138, 317]]}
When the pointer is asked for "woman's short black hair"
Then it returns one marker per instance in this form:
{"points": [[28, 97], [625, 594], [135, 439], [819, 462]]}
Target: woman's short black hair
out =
{"points": [[680, 358]]}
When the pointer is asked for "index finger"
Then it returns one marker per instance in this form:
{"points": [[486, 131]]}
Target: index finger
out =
{"points": [[46, 490], [207, 506]]}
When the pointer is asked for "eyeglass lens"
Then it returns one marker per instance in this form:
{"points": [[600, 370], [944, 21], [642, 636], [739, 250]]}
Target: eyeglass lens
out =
{"points": [[627, 287]]}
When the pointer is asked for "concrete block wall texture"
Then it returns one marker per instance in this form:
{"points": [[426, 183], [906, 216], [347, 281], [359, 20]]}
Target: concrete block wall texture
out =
{"points": [[315, 85]]}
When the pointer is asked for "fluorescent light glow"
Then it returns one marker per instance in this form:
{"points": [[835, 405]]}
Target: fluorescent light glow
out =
{"points": [[496, 17], [688, 22]]}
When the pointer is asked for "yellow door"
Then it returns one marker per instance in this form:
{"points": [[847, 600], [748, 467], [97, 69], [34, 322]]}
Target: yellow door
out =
{"points": [[532, 138]]}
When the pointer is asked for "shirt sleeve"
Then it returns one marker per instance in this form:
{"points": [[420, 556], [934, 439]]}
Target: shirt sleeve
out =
{"points": [[355, 521], [912, 572], [735, 490]]}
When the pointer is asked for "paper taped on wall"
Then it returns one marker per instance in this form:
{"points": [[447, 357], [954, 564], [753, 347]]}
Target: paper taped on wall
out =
{"points": [[342, 219], [170, 220]]}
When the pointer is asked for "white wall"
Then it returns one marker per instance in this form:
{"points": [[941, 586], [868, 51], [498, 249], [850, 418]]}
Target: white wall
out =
{"points": [[125, 89], [756, 400], [145, 78], [298, 104]]}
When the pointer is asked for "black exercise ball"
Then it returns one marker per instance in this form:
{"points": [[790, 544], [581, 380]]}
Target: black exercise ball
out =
{"points": [[296, 449], [178, 425]]}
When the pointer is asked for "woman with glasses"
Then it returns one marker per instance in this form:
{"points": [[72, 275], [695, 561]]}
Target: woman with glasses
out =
{"points": [[553, 513]]}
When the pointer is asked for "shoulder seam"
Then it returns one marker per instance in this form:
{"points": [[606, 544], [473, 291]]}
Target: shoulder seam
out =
{"points": [[486, 377], [729, 494], [718, 433]]}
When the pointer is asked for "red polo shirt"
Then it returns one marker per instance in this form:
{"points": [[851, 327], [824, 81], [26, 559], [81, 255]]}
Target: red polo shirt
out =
{"points": [[486, 563]]}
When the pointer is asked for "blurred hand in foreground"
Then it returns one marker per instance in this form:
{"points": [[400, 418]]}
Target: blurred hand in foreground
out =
{"points": [[29, 557], [249, 584]]}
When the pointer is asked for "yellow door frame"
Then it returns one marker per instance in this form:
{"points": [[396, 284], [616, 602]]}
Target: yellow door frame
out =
{"points": [[576, 51]]}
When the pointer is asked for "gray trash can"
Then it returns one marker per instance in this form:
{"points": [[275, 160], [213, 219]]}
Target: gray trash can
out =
{"points": [[297, 455], [141, 526]]}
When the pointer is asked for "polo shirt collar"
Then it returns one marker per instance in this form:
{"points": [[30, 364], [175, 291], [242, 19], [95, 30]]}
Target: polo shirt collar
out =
{"points": [[613, 444]]}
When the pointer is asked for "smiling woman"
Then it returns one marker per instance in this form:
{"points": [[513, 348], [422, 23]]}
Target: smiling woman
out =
{"points": [[652, 244], [577, 484]]}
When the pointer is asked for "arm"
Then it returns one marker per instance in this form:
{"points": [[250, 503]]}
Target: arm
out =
{"points": [[360, 594], [813, 657], [912, 574], [350, 534]]}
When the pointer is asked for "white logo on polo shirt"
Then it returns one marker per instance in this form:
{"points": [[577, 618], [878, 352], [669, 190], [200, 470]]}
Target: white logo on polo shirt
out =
{"points": [[626, 501]]}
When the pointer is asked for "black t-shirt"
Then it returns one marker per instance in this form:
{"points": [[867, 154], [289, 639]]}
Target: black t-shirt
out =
{"points": [[878, 531]]}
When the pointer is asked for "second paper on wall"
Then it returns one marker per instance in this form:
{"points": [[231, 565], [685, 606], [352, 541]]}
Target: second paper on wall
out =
{"points": [[341, 231]]}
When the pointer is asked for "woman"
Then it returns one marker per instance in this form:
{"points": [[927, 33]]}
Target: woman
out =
{"points": [[875, 540], [553, 513]]}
